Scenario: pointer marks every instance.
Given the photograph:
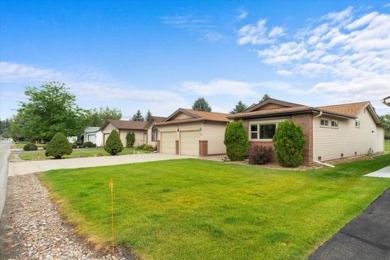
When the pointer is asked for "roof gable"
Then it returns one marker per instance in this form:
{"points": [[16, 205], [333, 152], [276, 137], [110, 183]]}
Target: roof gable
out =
{"points": [[188, 115], [270, 104], [125, 125]]}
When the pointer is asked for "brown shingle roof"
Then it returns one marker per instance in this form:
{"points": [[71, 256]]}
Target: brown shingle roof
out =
{"points": [[196, 116], [346, 109], [343, 110], [126, 125]]}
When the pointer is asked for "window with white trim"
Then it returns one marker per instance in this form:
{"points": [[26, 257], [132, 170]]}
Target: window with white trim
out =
{"points": [[262, 131], [357, 124], [324, 123], [334, 124]]}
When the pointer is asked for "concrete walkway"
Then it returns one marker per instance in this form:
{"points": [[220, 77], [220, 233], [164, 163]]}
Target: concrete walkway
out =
{"points": [[382, 173], [27, 167], [365, 237]]}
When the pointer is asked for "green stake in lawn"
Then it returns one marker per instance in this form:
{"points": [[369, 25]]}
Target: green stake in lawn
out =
{"points": [[111, 185]]}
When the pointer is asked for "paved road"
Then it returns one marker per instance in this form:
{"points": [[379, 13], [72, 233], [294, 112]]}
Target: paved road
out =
{"points": [[26, 167], [4, 153], [365, 237]]}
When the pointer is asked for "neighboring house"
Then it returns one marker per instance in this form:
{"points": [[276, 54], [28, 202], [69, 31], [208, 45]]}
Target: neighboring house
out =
{"points": [[93, 134], [191, 132], [386, 101], [72, 139], [331, 132], [152, 131], [124, 127]]}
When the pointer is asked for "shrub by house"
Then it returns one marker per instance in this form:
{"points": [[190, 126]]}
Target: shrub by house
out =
{"points": [[289, 142], [236, 141], [58, 146], [130, 139], [113, 144]]}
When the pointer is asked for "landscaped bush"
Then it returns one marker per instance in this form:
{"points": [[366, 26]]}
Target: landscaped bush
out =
{"points": [[113, 144], [259, 154], [58, 146], [30, 147], [130, 139], [289, 142], [145, 147], [74, 145], [236, 141], [88, 145]]}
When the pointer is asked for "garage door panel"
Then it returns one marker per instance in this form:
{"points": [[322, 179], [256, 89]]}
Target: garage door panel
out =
{"points": [[189, 142], [168, 142]]}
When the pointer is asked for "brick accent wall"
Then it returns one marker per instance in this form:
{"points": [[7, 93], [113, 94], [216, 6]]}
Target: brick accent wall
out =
{"points": [[305, 121], [177, 146], [203, 147]]}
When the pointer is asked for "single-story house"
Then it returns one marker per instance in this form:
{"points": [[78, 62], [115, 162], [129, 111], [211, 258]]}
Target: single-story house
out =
{"points": [[386, 101], [124, 127], [191, 132], [93, 134], [331, 132], [152, 131]]}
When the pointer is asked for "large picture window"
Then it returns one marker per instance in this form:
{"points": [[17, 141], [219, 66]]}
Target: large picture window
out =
{"points": [[262, 131]]}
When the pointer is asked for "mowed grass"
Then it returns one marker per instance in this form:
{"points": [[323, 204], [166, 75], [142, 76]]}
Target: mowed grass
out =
{"points": [[83, 152], [387, 146], [195, 209]]}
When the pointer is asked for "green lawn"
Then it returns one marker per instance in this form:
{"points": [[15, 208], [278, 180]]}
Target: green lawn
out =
{"points": [[21, 144], [387, 146], [83, 152], [195, 209]]}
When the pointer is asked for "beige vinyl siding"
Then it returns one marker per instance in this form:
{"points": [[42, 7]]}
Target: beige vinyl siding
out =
{"points": [[214, 134], [181, 116], [139, 137], [107, 131], [346, 139]]}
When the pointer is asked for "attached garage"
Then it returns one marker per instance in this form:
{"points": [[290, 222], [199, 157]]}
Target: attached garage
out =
{"points": [[190, 132], [189, 142], [168, 142]]}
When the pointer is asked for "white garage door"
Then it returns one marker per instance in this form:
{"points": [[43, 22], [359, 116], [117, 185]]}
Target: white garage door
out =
{"points": [[92, 138], [168, 142], [189, 142]]}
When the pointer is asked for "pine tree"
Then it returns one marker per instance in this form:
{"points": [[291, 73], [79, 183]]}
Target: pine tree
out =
{"points": [[265, 97], [138, 117], [201, 105], [148, 116], [239, 108]]}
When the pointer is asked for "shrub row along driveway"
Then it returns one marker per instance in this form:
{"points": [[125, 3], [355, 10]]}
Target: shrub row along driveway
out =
{"points": [[27, 167]]}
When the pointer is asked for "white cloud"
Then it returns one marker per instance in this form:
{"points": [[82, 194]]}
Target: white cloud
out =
{"points": [[346, 52], [242, 14], [194, 25], [276, 32], [257, 34], [16, 72], [220, 87]]}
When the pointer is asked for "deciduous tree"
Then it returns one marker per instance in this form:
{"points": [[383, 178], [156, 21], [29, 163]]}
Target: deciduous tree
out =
{"points": [[50, 109]]}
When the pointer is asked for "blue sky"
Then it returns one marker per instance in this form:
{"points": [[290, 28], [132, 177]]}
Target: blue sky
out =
{"points": [[162, 55]]}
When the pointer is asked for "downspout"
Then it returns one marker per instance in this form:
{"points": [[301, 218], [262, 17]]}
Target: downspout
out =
{"points": [[320, 114], [324, 164]]}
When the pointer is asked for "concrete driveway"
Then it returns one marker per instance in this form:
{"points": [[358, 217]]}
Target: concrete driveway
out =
{"points": [[27, 167]]}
